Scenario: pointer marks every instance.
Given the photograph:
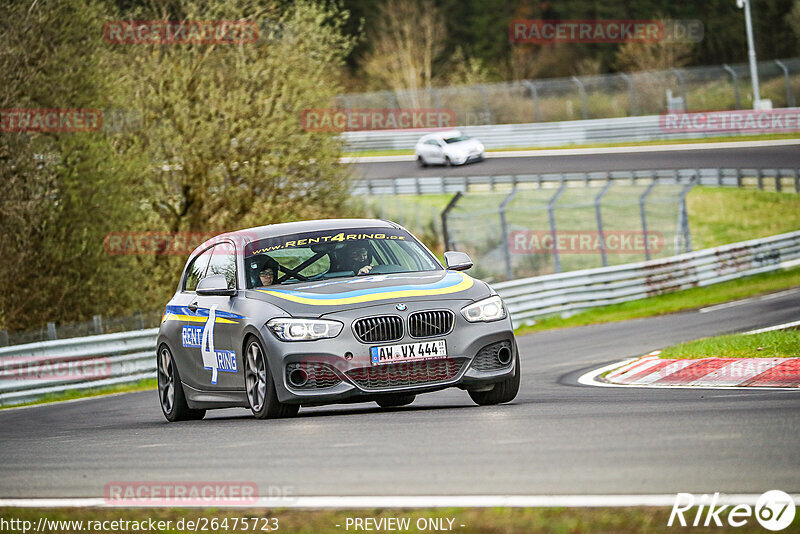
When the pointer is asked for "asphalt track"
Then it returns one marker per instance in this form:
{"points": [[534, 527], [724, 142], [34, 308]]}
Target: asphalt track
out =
{"points": [[557, 437], [768, 157]]}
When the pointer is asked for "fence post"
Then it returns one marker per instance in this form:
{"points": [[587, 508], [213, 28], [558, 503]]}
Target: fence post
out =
{"points": [[51, 331], [789, 94], [735, 82], [485, 97], [582, 93], [445, 232], [537, 112], [98, 324], [760, 178], [796, 180], [682, 80], [551, 204], [643, 214], [598, 215], [4, 338], [504, 229], [631, 91], [684, 216], [778, 180]]}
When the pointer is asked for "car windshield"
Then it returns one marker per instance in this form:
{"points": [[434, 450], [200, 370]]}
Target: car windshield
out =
{"points": [[330, 254], [456, 139]]}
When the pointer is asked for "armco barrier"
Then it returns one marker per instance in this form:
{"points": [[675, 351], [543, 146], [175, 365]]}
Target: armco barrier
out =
{"points": [[30, 371], [130, 356], [573, 291], [786, 180], [544, 134]]}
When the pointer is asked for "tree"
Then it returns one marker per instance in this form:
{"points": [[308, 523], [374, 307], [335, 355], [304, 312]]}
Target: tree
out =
{"points": [[407, 41]]}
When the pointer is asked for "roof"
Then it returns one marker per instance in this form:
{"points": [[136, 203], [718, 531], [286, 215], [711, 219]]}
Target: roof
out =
{"points": [[248, 235]]}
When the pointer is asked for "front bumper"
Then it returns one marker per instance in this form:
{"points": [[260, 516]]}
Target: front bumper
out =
{"points": [[340, 369]]}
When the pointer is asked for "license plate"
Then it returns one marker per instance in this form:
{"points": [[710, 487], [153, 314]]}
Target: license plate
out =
{"points": [[408, 352]]}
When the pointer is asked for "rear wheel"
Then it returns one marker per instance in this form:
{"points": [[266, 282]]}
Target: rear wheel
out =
{"points": [[504, 391], [394, 401], [170, 390], [261, 394]]}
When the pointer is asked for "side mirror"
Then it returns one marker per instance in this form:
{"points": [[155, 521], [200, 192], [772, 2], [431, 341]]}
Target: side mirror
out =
{"points": [[457, 261], [215, 284]]}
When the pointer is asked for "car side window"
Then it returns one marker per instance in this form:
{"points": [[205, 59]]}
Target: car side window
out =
{"points": [[432, 142], [197, 270], [223, 262]]}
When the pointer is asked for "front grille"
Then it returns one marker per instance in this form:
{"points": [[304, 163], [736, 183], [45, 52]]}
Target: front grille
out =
{"points": [[430, 323], [406, 373], [320, 375], [487, 358], [379, 328]]}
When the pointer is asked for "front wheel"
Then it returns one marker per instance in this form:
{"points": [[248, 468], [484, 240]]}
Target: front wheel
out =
{"points": [[504, 391], [261, 394], [170, 391], [421, 161]]}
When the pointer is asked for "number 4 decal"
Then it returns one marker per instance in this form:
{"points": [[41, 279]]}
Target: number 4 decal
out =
{"points": [[207, 345]]}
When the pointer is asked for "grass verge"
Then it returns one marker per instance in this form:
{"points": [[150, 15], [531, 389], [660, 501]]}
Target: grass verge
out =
{"points": [[725, 139], [489, 520], [776, 344], [688, 299], [141, 385]]}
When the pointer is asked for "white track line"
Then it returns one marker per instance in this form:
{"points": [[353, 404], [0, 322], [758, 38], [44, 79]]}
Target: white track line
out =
{"points": [[458, 501], [591, 151], [783, 326]]}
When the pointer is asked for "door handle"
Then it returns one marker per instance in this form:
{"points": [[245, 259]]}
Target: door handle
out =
{"points": [[192, 306]]}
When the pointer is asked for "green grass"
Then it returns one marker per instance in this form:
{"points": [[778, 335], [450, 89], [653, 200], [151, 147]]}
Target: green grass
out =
{"points": [[776, 344], [718, 215], [142, 385], [724, 139], [687, 299], [475, 520]]}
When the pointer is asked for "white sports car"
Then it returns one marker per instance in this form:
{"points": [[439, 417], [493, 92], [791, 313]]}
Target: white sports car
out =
{"points": [[448, 148]]}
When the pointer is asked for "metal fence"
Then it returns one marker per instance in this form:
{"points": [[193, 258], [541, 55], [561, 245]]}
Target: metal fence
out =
{"points": [[567, 293], [528, 232], [599, 96], [28, 372], [98, 325]]}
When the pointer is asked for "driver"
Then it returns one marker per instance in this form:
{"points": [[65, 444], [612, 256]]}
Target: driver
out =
{"points": [[358, 258], [268, 273]]}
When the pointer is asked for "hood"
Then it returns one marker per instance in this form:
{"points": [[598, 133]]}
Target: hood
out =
{"points": [[326, 296]]}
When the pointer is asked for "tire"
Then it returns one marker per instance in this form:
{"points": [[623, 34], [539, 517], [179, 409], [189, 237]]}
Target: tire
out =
{"points": [[170, 390], [395, 401], [447, 161], [260, 386], [504, 391], [421, 161]]}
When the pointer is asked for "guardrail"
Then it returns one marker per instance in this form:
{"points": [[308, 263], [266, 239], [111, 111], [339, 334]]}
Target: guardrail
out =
{"points": [[544, 134], [778, 179], [573, 291], [31, 371], [28, 372]]}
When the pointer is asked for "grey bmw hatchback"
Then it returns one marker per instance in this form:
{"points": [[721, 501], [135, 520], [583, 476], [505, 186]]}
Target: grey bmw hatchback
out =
{"points": [[329, 311]]}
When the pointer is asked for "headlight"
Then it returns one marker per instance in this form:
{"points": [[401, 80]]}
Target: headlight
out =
{"points": [[485, 310], [304, 329]]}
